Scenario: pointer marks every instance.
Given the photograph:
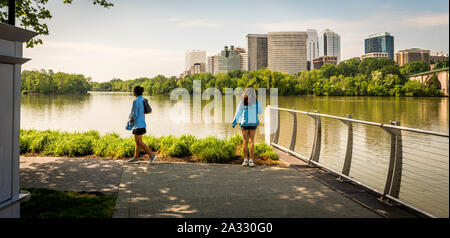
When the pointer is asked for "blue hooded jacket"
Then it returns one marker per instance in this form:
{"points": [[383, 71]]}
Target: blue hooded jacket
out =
{"points": [[137, 112], [247, 115]]}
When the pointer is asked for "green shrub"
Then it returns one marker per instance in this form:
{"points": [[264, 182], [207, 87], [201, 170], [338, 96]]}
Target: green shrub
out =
{"points": [[165, 143], [26, 136], [236, 140], [152, 142], [125, 148], [106, 145], [262, 150], [212, 149], [41, 139]]}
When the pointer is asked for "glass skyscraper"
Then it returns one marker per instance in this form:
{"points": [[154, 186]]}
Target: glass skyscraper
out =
{"points": [[383, 42], [330, 44]]}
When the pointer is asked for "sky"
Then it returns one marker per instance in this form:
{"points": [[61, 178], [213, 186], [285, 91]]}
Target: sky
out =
{"points": [[144, 38]]}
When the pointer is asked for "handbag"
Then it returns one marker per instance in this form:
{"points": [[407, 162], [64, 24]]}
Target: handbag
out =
{"points": [[147, 108]]}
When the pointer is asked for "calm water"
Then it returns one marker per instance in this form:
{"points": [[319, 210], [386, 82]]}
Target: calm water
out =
{"points": [[425, 162]]}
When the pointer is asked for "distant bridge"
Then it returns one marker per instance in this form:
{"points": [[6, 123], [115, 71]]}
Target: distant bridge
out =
{"points": [[442, 76]]}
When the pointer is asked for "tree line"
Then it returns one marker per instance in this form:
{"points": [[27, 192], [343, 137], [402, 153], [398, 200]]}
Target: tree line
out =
{"points": [[370, 77], [48, 82]]}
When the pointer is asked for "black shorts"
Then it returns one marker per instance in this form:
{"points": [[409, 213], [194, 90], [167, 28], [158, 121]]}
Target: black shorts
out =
{"points": [[249, 127], [139, 131]]}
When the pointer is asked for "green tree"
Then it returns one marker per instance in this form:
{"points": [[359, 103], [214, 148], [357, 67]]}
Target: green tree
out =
{"points": [[33, 13], [414, 68]]}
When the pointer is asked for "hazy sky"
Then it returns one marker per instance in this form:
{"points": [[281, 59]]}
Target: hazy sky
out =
{"points": [[144, 38]]}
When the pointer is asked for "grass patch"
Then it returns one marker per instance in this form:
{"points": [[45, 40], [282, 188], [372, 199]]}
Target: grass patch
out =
{"points": [[49, 203], [187, 147]]}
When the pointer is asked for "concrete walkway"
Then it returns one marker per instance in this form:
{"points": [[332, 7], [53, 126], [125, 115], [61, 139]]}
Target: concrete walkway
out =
{"points": [[216, 190], [71, 174]]}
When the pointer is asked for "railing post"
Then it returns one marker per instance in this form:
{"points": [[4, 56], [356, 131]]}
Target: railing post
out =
{"points": [[349, 150], [277, 131], [317, 137], [294, 131], [393, 180]]}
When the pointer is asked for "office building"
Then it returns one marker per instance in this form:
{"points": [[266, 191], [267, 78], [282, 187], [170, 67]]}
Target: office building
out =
{"points": [[213, 63], [375, 55], [410, 55], [319, 61], [383, 42], [229, 60], [244, 61], [312, 46], [330, 44], [194, 56], [437, 57], [257, 51], [287, 51]]}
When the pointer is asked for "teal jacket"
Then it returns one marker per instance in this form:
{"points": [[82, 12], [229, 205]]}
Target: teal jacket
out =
{"points": [[247, 115], [137, 112]]}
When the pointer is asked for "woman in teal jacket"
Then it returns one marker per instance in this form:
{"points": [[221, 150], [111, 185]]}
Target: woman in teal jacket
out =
{"points": [[247, 117], [137, 117]]}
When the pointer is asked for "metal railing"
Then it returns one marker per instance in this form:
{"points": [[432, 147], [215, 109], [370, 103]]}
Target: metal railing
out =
{"points": [[396, 159]]}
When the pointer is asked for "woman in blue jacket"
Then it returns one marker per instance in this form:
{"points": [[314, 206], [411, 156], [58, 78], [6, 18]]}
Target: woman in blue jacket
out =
{"points": [[247, 116], [137, 117]]}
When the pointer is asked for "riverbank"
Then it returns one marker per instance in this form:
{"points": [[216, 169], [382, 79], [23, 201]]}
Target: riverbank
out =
{"points": [[186, 148]]}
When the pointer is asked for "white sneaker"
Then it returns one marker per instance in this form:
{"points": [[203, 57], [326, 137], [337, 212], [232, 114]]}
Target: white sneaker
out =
{"points": [[152, 158], [250, 163], [245, 163]]}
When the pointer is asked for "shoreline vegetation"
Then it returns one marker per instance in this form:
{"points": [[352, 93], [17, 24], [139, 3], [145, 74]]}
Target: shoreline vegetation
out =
{"points": [[186, 148], [370, 77]]}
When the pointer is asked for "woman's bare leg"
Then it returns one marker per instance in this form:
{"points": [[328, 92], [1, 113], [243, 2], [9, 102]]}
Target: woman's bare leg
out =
{"points": [[245, 144], [141, 144], [137, 149], [251, 136]]}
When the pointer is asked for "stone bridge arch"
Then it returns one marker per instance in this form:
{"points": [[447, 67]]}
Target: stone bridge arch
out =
{"points": [[427, 78]]}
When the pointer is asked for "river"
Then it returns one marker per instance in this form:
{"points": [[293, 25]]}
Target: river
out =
{"points": [[424, 183]]}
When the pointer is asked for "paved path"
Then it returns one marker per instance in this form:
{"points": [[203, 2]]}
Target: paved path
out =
{"points": [[71, 174], [218, 190]]}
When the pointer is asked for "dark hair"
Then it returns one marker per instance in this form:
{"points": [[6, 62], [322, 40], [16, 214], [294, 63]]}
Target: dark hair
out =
{"points": [[249, 93], [138, 90]]}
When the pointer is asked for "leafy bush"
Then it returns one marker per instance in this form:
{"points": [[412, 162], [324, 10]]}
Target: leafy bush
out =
{"points": [[41, 139], [125, 148], [262, 150], [165, 143], [211, 149], [236, 140], [152, 142], [106, 145], [180, 147]]}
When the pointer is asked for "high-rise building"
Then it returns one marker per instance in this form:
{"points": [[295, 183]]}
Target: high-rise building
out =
{"points": [[410, 55], [198, 68], [257, 51], [194, 56], [312, 46], [213, 63], [382, 42], [244, 61], [287, 51], [320, 61], [375, 55], [229, 60], [330, 44]]}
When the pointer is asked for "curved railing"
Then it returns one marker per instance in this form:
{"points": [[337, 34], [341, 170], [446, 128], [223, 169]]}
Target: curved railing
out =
{"points": [[417, 162]]}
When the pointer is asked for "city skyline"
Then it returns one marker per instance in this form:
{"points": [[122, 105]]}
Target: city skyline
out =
{"points": [[157, 34]]}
